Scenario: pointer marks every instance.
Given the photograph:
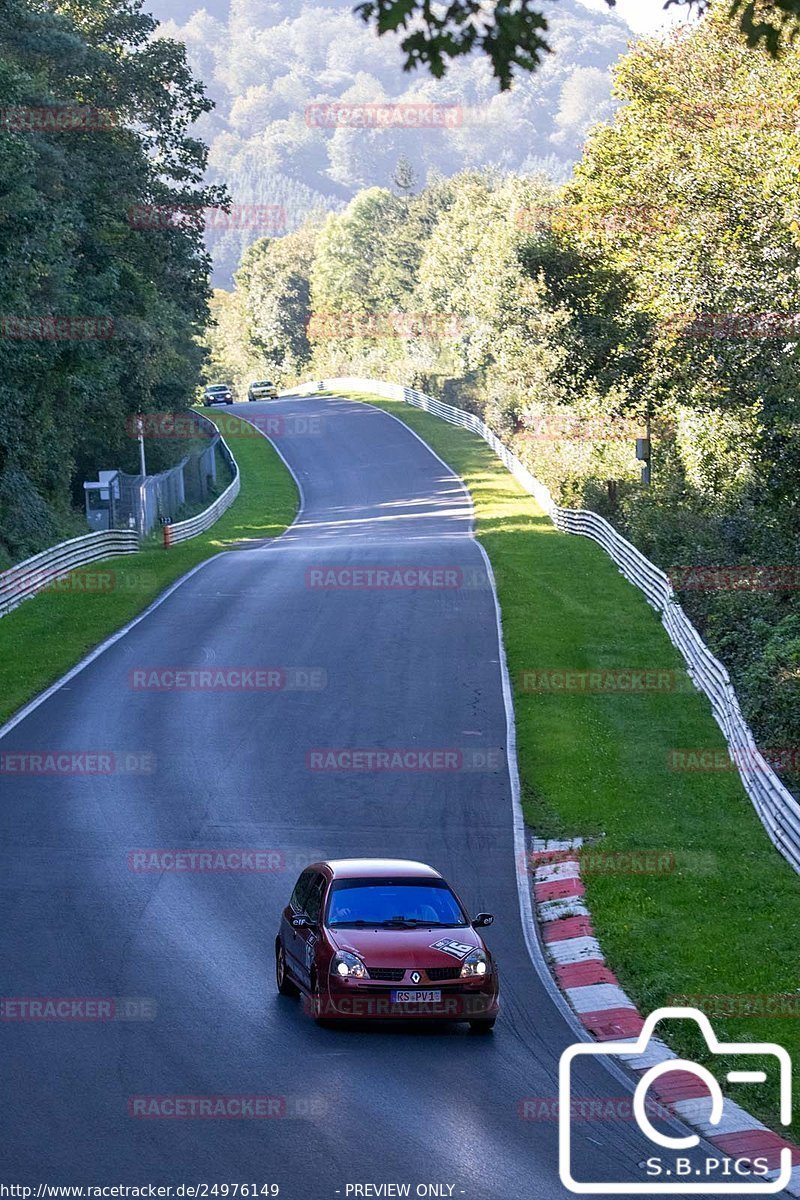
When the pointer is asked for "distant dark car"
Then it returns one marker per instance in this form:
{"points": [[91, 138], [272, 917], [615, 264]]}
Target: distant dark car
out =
{"points": [[367, 938], [217, 393], [265, 390]]}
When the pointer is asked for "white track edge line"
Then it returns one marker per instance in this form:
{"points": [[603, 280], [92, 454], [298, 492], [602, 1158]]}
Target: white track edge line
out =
{"points": [[529, 927], [94, 654], [33, 704], [285, 462]]}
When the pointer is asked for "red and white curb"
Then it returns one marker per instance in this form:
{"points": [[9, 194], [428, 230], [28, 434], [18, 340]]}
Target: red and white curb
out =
{"points": [[608, 1014]]}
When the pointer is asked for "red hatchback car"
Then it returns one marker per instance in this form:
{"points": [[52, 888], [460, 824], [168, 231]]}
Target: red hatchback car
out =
{"points": [[384, 938]]}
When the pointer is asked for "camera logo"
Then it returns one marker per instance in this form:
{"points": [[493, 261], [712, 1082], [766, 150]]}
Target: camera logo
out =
{"points": [[624, 1051]]}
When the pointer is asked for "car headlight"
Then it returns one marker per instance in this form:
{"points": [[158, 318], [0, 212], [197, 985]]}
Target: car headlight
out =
{"points": [[348, 966], [476, 963]]}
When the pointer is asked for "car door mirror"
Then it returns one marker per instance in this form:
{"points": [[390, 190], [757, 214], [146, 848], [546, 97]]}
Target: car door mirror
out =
{"points": [[482, 920], [301, 920]]}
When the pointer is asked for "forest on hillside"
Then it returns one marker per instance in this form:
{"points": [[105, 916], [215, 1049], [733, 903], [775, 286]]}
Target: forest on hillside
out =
{"points": [[264, 64], [661, 283]]}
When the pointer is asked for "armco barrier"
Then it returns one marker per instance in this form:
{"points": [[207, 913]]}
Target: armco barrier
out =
{"points": [[27, 578], [183, 530], [776, 806]]}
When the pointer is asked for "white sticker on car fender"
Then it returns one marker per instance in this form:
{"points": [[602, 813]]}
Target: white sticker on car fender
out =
{"points": [[448, 946]]}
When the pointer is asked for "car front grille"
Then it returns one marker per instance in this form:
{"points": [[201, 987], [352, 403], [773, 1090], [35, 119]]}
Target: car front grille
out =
{"points": [[396, 974]]}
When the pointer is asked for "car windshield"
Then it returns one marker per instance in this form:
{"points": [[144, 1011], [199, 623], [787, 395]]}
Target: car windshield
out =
{"points": [[394, 903], [218, 387]]}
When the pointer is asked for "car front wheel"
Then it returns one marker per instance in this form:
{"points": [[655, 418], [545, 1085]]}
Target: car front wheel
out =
{"points": [[285, 985], [318, 1006]]}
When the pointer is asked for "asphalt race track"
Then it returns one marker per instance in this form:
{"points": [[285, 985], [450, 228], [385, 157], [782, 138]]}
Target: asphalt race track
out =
{"points": [[407, 667]]}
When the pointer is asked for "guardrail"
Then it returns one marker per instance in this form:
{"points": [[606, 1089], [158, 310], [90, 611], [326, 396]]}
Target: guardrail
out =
{"points": [[43, 569], [25, 579], [181, 531], [777, 808]]}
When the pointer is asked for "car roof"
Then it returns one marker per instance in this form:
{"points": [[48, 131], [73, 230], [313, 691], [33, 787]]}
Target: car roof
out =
{"points": [[379, 868]]}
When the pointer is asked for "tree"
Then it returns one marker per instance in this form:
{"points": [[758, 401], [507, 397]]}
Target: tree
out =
{"points": [[512, 33], [349, 251], [69, 248], [404, 177], [694, 200], [276, 277]]}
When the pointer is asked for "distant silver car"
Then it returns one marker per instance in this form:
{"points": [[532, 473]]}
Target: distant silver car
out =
{"points": [[265, 390], [217, 393]]}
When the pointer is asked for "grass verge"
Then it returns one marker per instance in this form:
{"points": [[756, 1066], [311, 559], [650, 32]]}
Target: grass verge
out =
{"points": [[722, 920], [47, 635]]}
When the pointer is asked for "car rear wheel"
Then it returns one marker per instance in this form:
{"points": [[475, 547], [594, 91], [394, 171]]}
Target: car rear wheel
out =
{"points": [[482, 1026], [285, 985]]}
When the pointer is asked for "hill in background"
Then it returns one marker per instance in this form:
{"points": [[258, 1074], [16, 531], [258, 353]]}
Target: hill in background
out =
{"points": [[264, 63]]}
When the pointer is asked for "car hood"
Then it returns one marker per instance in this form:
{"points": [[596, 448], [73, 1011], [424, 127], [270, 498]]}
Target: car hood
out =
{"points": [[422, 947]]}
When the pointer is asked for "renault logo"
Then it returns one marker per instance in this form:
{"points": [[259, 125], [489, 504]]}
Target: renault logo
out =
{"points": [[415, 977]]}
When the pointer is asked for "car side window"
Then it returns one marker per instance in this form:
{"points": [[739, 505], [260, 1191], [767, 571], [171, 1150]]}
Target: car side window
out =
{"points": [[300, 892], [313, 905]]}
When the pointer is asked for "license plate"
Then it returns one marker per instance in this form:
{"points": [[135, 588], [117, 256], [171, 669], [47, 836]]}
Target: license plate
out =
{"points": [[419, 996]]}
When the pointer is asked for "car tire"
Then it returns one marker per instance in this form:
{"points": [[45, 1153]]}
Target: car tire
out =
{"points": [[284, 983], [482, 1026], [316, 1006]]}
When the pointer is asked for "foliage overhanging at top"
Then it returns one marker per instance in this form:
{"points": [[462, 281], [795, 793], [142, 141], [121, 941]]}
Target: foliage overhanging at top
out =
{"points": [[512, 33]]}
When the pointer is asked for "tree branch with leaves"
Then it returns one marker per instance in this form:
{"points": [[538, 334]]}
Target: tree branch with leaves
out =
{"points": [[512, 33]]}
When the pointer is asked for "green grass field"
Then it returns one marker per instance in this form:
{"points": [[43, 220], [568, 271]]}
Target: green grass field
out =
{"points": [[48, 634], [725, 920]]}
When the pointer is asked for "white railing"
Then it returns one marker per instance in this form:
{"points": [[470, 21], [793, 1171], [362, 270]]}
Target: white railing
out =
{"points": [[27, 578], [181, 531], [46, 568], [776, 806]]}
